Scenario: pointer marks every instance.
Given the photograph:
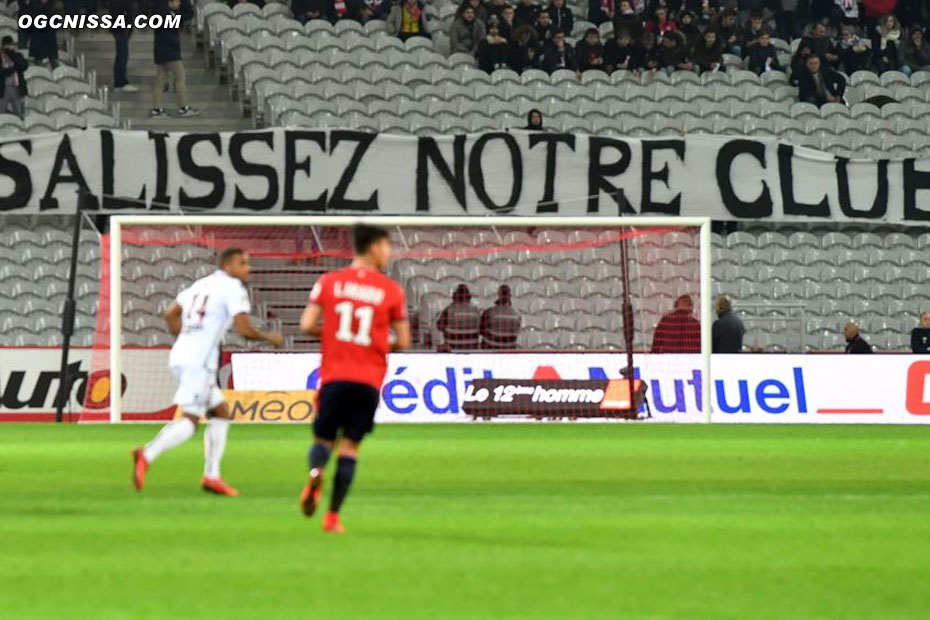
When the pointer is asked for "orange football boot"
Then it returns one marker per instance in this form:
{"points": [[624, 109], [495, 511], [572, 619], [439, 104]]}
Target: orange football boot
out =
{"points": [[310, 497], [218, 486], [331, 523], [140, 467]]}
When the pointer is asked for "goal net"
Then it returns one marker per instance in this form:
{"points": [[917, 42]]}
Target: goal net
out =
{"points": [[517, 317]]}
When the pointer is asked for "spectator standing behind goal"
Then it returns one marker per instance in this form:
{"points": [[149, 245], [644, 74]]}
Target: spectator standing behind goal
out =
{"points": [[728, 330], [459, 322], [500, 324], [855, 343], [168, 60], [920, 335], [678, 331]]}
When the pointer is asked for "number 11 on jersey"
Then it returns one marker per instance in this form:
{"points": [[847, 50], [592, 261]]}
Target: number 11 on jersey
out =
{"points": [[365, 315]]}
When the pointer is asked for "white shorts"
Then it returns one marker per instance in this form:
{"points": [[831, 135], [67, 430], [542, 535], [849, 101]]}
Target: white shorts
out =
{"points": [[197, 390]]}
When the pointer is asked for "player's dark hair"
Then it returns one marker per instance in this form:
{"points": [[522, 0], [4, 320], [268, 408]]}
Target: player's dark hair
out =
{"points": [[228, 254], [366, 235]]}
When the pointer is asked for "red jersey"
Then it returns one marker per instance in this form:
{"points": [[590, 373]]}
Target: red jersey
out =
{"points": [[359, 305]]}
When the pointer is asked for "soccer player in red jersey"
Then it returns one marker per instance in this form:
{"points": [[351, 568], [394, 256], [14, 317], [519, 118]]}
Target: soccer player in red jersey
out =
{"points": [[359, 306]]}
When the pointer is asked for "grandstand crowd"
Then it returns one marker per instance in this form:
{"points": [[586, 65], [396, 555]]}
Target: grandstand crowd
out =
{"points": [[691, 35]]}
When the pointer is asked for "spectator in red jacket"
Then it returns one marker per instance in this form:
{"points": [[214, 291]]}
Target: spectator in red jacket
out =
{"points": [[678, 331]]}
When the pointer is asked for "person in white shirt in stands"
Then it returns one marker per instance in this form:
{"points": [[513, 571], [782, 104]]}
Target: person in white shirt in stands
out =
{"points": [[200, 317]]}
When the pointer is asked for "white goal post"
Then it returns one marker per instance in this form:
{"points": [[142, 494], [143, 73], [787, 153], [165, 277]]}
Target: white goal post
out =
{"points": [[119, 223]]}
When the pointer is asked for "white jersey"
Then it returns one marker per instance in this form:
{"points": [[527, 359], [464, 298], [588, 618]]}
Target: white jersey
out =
{"points": [[207, 310]]}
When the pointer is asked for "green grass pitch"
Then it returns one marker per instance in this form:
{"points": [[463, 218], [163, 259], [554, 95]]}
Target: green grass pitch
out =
{"points": [[475, 521]]}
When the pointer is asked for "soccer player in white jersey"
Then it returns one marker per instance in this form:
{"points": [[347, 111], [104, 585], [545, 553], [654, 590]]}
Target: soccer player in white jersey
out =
{"points": [[200, 317]]}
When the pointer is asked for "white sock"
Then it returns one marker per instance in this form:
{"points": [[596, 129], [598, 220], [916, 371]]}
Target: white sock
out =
{"points": [[171, 435], [214, 444]]}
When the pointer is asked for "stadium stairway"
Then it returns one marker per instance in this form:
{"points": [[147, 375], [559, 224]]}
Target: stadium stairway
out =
{"points": [[217, 112]]}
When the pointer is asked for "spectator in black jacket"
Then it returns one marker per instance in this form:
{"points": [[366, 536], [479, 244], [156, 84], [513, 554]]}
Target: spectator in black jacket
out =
{"points": [[601, 11], [561, 16], [705, 11], [558, 54], [651, 60], [728, 330], [507, 22], [627, 19], [673, 54], [168, 60], [855, 55], [821, 45], [754, 29], [799, 63], [708, 52], [495, 8], [819, 84], [524, 49], [125, 8], [855, 343], [763, 56], [525, 13], [621, 53], [305, 10], [544, 27], [688, 27], [43, 42], [493, 51], [730, 34], [590, 53], [13, 83], [920, 335], [25, 8]]}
